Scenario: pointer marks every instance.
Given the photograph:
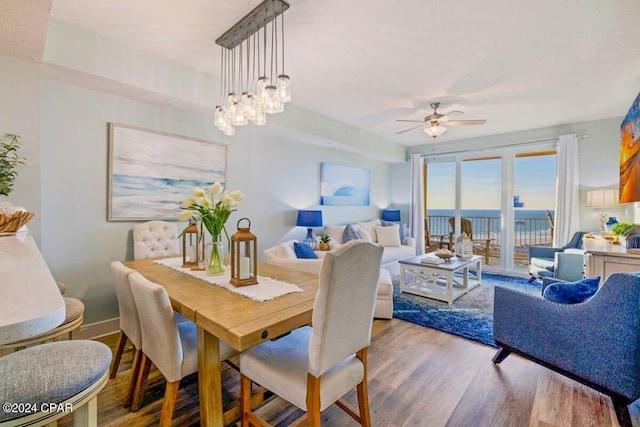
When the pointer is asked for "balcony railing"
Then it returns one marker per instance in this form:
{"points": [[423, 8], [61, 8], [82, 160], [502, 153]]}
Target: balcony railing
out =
{"points": [[528, 232]]}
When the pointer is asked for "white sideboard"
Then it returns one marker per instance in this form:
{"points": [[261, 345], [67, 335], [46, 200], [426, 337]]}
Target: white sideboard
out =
{"points": [[30, 302], [604, 258]]}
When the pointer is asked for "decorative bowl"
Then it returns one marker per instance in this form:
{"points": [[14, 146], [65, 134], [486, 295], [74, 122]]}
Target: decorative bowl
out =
{"points": [[11, 223], [445, 257]]}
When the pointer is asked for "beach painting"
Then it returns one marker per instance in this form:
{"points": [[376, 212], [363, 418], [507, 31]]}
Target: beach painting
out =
{"points": [[630, 155], [344, 185], [151, 173]]}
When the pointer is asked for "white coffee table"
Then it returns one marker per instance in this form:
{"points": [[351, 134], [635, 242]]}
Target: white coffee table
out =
{"points": [[440, 281]]}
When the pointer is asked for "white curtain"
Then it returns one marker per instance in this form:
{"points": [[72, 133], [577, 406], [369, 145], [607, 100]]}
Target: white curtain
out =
{"points": [[567, 215], [417, 201]]}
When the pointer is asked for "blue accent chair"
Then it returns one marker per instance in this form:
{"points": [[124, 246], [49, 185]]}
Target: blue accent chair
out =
{"points": [[596, 342], [562, 263]]}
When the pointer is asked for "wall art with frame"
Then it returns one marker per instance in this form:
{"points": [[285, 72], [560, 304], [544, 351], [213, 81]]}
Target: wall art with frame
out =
{"points": [[151, 173], [344, 185]]}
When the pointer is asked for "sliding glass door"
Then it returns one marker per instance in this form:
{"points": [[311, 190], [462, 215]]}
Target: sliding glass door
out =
{"points": [[505, 200]]}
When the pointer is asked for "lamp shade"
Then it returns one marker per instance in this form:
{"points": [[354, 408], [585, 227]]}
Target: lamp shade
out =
{"points": [[391, 215], [602, 197], [308, 218]]}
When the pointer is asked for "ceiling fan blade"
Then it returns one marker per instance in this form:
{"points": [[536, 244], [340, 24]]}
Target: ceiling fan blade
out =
{"points": [[417, 127], [464, 122], [410, 121], [452, 112]]}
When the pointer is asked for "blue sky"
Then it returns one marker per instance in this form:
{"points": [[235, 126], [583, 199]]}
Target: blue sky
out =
{"points": [[535, 180]]}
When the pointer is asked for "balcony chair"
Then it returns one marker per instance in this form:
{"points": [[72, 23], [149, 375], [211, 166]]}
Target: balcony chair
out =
{"points": [[153, 239], [171, 346], [313, 367], [480, 246], [596, 342], [565, 263]]}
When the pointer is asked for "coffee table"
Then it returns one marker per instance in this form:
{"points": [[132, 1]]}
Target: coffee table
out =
{"points": [[445, 282]]}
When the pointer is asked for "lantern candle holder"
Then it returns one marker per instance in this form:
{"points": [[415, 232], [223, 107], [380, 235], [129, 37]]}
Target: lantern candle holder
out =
{"points": [[193, 251], [244, 260]]}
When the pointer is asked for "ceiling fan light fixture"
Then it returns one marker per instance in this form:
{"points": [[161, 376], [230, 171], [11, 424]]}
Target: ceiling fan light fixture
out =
{"points": [[435, 131]]}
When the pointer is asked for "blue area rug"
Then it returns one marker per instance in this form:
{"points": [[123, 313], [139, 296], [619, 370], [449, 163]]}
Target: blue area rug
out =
{"points": [[470, 316]]}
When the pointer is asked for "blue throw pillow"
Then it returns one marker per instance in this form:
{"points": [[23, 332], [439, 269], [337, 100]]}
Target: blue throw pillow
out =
{"points": [[571, 292], [304, 251], [350, 233], [401, 230]]}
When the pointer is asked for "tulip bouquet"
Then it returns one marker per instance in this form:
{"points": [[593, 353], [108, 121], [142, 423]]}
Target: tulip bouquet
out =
{"points": [[212, 209]]}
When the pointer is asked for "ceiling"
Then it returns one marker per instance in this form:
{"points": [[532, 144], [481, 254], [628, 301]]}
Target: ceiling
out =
{"points": [[519, 65]]}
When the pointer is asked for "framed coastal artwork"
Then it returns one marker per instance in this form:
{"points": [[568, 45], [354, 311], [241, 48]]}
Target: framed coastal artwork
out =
{"points": [[344, 185], [630, 155], [151, 173]]}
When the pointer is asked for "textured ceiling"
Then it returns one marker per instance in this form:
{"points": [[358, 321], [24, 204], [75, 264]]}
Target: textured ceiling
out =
{"points": [[24, 28], [519, 65]]}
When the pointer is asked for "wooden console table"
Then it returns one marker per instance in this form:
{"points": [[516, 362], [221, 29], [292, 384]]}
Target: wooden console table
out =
{"points": [[604, 258]]}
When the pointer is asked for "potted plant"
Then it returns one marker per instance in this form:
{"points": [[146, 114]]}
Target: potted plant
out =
{"points": [[11, 218], [324, 242], [620, 229]]}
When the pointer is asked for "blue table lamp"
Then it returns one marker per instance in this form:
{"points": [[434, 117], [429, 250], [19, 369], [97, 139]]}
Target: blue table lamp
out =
{"points": [[391, 215], [309, 219]]}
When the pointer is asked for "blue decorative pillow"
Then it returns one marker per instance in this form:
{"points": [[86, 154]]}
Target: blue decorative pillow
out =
{"points": [[401, 229], [350, 233], [571, 292], [304, 251]]}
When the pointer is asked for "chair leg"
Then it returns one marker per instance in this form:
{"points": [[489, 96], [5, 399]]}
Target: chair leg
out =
{"points": [[133, 379], [313, 401], [170, 396], [245, 393], [620, 404], [141, 383], [87, 414], [122, 342], [363, 393], [532, 279], [500, 356]]}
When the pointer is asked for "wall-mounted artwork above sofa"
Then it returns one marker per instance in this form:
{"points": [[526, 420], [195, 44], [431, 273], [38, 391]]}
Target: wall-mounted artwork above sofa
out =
{"points": [[344, 185], [630, 155]]}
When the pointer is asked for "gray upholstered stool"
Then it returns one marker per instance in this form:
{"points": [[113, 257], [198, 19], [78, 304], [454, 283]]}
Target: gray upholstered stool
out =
{"points": [[64, 375], [73, 320]]}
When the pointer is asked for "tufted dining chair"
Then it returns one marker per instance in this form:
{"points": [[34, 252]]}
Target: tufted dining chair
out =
{"points": [[313, 367], [153, 239], [171, 346]]}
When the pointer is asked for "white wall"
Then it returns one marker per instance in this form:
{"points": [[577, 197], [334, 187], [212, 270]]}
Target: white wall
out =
{"points": [[599, 161], [20, 115], [277, 175]]}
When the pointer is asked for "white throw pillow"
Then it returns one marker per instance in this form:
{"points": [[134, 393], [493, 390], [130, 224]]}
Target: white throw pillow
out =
{"points": [[363, 234], [370, 227], [389, 236], [285, 250], [335, 232]]}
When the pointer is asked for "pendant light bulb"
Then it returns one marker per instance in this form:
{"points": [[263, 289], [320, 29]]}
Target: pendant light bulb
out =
{"points": [[284, 88]]}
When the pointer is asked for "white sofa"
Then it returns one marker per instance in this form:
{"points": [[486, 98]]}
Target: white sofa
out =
{"points": [[284, 255]]}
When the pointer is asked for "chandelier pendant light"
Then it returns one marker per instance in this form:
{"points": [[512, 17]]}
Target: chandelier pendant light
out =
{"points": [[243, 69]]}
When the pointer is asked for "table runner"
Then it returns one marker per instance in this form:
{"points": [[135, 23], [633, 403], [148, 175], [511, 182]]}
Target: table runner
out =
{"points": [[266, 289]]}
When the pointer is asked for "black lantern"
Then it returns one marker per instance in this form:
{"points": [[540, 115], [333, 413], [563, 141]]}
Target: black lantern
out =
{"points": [[244, 259], [193, 248]]}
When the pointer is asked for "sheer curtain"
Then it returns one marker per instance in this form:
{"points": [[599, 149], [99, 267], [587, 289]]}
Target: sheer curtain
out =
{"points": [[567, 218], [417, 201]]}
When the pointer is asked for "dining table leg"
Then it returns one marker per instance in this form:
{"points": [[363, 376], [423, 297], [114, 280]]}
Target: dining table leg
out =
{"points": [[209, 379]]}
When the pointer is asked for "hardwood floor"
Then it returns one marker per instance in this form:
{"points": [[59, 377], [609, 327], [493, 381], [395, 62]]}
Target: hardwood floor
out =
{"points": [[417, 377]]}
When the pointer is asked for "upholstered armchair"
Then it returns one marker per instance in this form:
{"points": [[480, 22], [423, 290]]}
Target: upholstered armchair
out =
{"points": [[596, 342], [565, 263]]}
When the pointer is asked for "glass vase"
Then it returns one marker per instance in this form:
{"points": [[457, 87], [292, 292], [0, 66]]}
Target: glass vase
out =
{"points": [[215, 256]]}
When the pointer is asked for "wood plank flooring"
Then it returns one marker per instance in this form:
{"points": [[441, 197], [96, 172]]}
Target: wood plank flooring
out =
{"points": [[417, 377]]}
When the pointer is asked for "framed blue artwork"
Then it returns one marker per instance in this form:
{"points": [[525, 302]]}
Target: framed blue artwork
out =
{"points": [[344, 185], [151, 173]]}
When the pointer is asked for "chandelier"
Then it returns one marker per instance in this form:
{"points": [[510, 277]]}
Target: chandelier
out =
{"points": [[252, 69]]}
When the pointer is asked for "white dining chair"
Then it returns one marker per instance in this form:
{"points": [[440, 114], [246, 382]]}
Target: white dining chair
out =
{"points": [[313, 367], [170, 346], [153, 239]]}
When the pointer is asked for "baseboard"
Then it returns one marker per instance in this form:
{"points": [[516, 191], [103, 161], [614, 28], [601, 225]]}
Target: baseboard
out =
{"points": [[100, 329]]}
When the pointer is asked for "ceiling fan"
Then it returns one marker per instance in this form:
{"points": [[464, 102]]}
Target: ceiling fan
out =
{"points": [[433, 123]]}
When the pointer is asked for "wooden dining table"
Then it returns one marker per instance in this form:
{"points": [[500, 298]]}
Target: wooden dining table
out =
{"points": [[220, 314]]}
